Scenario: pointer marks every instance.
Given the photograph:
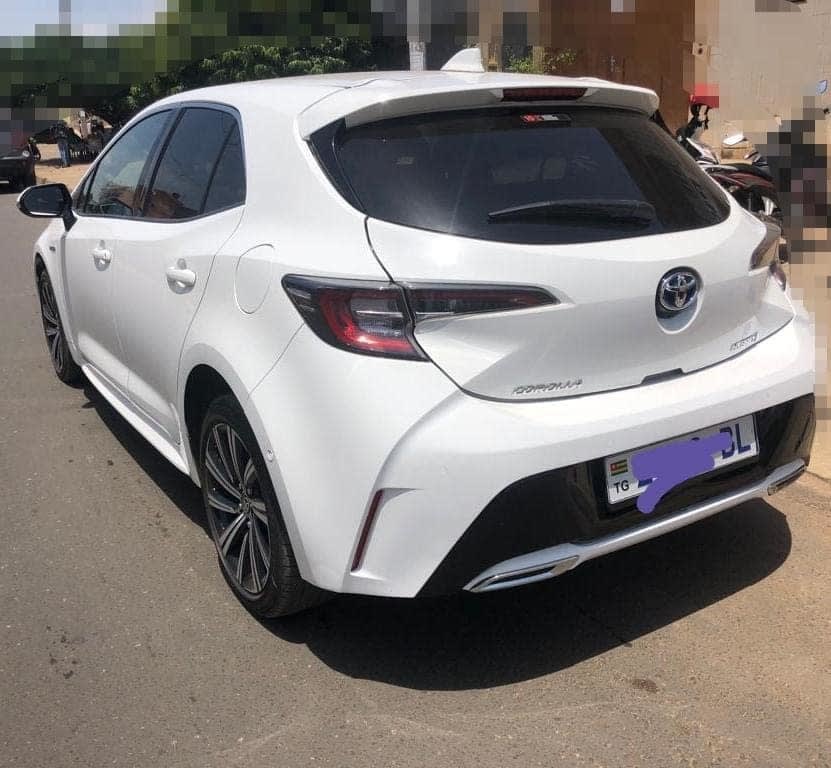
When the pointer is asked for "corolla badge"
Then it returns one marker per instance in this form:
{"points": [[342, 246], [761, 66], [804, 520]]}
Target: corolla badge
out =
{"points": [[678, 291]]}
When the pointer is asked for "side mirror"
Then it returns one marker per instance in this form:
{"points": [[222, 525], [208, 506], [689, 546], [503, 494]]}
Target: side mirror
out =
{"points": [[47, 201]]}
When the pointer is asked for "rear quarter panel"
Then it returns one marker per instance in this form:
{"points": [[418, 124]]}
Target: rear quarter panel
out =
{"points": [[297, 222]]}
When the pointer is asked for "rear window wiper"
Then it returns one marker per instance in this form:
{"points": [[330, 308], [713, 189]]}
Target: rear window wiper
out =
{"points": [[634, 212]]}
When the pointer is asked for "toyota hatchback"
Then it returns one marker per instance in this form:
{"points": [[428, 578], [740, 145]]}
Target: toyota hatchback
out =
{"points": [[414, 333]]}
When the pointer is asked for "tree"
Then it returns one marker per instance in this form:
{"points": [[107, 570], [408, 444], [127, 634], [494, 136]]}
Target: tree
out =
{"points": [[548, 65], [71, 70], [250, 62]]}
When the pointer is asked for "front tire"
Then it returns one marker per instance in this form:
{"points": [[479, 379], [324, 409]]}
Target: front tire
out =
{"points": [[244, 516], [65, 367], [29, 180]]}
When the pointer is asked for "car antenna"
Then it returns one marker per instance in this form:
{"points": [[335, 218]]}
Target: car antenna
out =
{"points": [[466, 60]]}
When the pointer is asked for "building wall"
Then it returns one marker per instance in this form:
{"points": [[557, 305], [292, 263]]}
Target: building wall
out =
{"points": [[766, 56], [642, 42], [501, 22]]}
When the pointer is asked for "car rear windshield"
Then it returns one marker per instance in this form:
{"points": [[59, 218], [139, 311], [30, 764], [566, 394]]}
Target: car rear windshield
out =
{"points": [[542, 176]]}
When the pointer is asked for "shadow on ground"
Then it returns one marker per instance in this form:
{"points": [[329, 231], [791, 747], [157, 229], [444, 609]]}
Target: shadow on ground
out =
{"points": [[178, 488], [480, 641], [469, 641]]}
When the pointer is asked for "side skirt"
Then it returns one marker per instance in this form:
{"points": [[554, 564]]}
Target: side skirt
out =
{"points": [[126, 410]]}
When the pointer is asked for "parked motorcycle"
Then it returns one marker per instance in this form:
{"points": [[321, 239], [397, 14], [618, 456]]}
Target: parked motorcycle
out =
{"points": [[750, 183], [753, 181], [689, 136]]}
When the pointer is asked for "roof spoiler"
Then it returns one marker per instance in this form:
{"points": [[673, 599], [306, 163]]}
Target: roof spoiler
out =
{"points": [[387, 97], [466, 60]]}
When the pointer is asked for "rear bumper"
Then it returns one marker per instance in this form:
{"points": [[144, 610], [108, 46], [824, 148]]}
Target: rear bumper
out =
{"points": [[11, 170], [547, 563], [517, 529], [344, 428]]}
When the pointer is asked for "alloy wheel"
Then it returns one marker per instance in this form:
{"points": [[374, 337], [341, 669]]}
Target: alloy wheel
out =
{"points": [[52, 324], [237, 508]]}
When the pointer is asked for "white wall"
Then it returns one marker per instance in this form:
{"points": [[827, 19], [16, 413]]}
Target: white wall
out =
{"points": [[766, 61]]}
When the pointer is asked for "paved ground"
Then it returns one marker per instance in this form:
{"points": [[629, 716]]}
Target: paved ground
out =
{"points": [[120, 644], [49, 169]]}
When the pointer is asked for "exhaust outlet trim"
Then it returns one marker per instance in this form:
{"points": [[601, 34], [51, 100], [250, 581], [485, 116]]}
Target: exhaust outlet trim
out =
{"points": [[548, 563]]}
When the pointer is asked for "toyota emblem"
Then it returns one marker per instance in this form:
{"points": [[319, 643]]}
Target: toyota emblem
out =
{"points": [[677, 291]]}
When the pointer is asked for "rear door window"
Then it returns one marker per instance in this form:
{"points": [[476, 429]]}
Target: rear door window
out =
{"points": [[541, 175], [185, 172], [227, 188]]}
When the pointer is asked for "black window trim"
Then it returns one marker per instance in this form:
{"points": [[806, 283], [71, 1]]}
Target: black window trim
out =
{"points": [[151, 166], [323, 144], [155, 161]]}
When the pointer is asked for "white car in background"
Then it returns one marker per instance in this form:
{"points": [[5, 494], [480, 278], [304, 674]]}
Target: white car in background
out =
{"points": [[410, 331]]}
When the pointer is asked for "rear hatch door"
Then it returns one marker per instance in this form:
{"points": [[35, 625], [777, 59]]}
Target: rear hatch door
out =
{"points": [[648, 263]]}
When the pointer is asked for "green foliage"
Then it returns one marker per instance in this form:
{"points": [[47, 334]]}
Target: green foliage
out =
{"points": [[548, 65], [71, 70], [524, 66], [250, 62]]}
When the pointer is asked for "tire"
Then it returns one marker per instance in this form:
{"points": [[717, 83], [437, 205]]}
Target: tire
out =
{"points": [[252, 544], [29, 180], [65, 367]]}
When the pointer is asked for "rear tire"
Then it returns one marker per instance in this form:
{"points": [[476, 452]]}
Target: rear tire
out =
{"points": [[66, 369], [246, 524]]}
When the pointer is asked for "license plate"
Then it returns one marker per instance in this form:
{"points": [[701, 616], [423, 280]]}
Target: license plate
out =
{"points": [[621, 483]]}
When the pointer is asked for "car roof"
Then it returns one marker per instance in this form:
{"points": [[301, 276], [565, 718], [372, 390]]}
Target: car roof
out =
{"points": [[318, 100]]}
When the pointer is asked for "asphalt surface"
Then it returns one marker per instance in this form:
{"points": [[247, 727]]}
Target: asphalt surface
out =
{"points": [[121, 645]]}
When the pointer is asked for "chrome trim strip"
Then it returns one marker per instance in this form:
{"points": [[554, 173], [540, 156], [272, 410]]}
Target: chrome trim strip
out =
{"points": [[547, 563]]}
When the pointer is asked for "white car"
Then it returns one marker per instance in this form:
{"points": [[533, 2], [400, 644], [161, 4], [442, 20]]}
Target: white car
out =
{"points": [[415, 332]]}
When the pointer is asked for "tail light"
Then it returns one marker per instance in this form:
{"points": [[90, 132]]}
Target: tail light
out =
{"points": [[768, 250], [375, 318], [360, 316], [430, 302]]}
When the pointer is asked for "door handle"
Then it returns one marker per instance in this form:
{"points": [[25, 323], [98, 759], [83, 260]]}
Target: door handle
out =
{"points": [[182, 275], [99, 253]]}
